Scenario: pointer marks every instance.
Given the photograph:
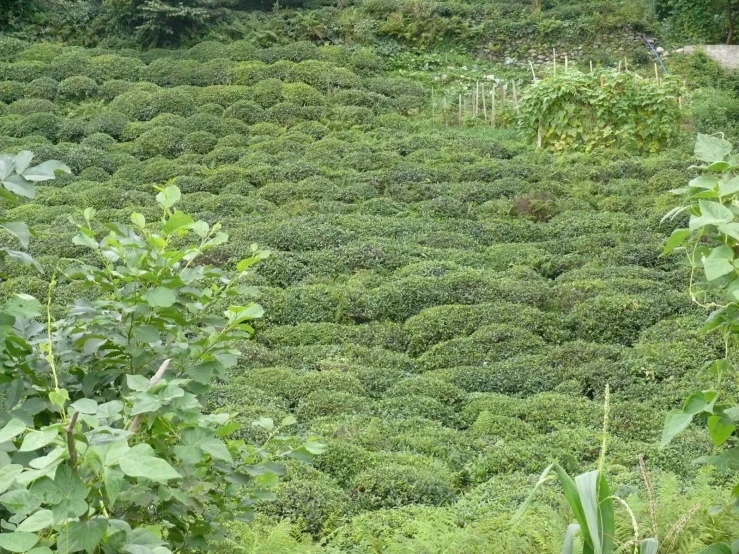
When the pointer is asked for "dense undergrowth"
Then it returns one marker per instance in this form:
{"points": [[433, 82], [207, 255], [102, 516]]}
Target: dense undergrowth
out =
{"points": [[444, 306]]}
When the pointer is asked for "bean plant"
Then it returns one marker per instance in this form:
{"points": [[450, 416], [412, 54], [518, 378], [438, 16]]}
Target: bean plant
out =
{"points": [[710, 244], [105, 441]]}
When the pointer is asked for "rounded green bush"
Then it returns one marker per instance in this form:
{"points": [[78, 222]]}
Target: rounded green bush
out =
{"points": [[199, 142], [111, 89], [343, 461], [206, 51], [223, 95], [392, 486], [330, 403], [301, 94], [25, 71], [136, 105], [315, 504], [28, 106], [109, 122], [160, 141], [241, 50], [284, 113], [267, 93], [426, 385], [47, 125], [109, 67], [78, 88], [499, 427], [10, 91], [249, 73], [45, 88], [490, 344]]}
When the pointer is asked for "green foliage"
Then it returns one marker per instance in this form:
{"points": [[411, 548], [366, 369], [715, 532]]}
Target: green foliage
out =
{"points": [[575, 110]]}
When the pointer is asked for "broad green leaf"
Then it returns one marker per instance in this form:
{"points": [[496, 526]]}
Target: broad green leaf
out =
{"points": [[11, 430], [85, 405], [719, 431], [110, 409], [712, 213], [730, 229], [206, 440], [137, 464], [138, 219], [20, 501], [113, 480], [8, 474], [22, 305], [160, 297], [138, 383], [18, 541], [19, 230], [201, 228], [37, 521], [145, 403], [19, 186], [81, 239], [59, 397], [711, 149], [719, 262], [729, 187], [72, 492], [675, 423], [22, 160], [177, 221], [38, 439], [40, 550], [82, 536], [698, 402], [45, 171], [148, 334], [168, 196], [707, 182], [677, 237]]}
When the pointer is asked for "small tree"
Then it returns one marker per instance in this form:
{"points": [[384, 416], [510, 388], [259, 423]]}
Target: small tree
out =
{"points": [[106, 445]]}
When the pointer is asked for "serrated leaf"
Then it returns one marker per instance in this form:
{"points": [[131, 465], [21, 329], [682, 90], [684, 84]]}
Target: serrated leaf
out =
{"points": [[160, 297], [177, 222], [711, 149]]}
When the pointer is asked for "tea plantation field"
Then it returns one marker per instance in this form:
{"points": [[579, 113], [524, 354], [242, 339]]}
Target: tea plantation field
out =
{"points": [[444, 306]]}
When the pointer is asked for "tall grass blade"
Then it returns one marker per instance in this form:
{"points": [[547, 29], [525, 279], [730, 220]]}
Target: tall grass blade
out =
{"points": [[543, 478], [569, 545], [587, 485], [573, 499], [606, 514], [649, 546]]}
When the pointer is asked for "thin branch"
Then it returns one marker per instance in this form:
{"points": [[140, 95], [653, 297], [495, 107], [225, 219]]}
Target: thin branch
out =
{"points": [[69, 429], [154, 380]]}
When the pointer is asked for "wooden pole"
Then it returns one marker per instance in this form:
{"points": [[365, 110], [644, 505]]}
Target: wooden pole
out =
{"points": [[656, 72], [502, 98], [601, 81], [626, 65], [554, 57], [515, 97], [566, 63], [532, 70], [433, 104], [492, 106], [619, 65], [541, 133], [484, 104], [477, 99], [460, 110], [591, 67]]}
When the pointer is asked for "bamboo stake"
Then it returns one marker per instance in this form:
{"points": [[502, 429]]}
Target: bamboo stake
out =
{"points": [[477, 99], [532, 69], [541, 133], [591, 67], [619, 65], [502, 94], [515, 97], [484, 104], [601, 81], [656, 72], [492, 106], [626, 65], [567, 63], [554, 57], [460, 110], [433, 104]]}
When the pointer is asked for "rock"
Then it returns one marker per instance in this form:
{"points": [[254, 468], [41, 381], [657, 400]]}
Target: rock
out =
{"points": [[660, 50]]}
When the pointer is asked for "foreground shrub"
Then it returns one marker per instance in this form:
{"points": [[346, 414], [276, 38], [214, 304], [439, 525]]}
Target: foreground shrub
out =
{"points": [[391, 486]]}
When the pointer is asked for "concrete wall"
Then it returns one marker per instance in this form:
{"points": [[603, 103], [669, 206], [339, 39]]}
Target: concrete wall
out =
{"points": [[726, 55]]}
